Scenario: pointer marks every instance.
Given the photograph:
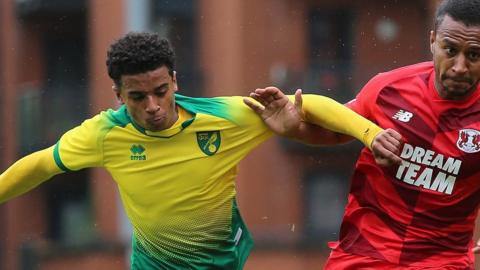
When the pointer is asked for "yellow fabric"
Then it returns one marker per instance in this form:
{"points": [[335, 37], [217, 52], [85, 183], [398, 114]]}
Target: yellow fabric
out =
{"points": [[82, 146], [27, 173], [328, 113], [178, 191]]}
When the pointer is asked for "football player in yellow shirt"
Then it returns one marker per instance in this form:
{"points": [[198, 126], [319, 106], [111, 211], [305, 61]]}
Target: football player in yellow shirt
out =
{"points": [[174, 158]]}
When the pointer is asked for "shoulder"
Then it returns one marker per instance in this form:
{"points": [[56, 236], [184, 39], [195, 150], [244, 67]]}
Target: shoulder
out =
{"points": [[96, 127], [108, 119], [229, 108], [402, 73]]}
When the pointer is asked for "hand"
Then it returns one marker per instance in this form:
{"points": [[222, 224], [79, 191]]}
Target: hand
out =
{"points": [[476, 248], [276, 110], [386, 148]]}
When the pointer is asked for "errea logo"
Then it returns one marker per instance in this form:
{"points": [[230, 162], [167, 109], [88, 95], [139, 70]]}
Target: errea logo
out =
{"points": [[403, 116], [137, 152]]}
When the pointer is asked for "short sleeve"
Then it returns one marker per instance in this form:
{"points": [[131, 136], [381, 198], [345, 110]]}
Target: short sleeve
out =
{"points": [[82, 146]]}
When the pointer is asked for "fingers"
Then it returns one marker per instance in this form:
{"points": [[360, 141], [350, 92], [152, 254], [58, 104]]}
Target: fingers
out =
{"points": [[298, 98], [274, 92], [270, 93], [392, 132], [385, 157], [269, 96], [262, 96], [299, 102], [257, 108], [390, 145], [394, 137], [390, 139], [386, 148]]}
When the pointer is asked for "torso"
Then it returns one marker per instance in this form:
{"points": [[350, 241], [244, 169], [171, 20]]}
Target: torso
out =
{"points": [[424, 209]]}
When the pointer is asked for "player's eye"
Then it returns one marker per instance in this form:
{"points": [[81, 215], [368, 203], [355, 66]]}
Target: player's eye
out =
{"points": [[160, 93], [473, 55], [137, 97], [450, 51]]}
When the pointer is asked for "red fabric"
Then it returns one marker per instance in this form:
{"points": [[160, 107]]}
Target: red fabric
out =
{"points": [[421, 214], [340, 260]]}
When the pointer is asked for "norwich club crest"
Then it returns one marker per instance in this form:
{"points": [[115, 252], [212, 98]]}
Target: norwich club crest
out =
{"points": [[469, 140], [209, 141]]}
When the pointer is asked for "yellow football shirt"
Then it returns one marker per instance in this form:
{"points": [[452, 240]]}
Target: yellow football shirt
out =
{"points": [[177, 185]]}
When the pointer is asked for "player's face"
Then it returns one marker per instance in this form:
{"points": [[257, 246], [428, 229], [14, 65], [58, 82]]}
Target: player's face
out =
{"points": [[150, 98], [456, 56]]}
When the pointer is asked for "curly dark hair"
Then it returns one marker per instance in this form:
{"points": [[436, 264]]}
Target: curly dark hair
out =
{"points": [[465, 11], [139, 52]]}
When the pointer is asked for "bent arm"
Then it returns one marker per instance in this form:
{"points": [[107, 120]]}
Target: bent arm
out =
{"points": [[312, 134], [310, 119], [27, 173], [334, 122], [322, 120]]}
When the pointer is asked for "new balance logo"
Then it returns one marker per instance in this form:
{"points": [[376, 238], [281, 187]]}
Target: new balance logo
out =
{"points": [[403, 116], [137, 152]]}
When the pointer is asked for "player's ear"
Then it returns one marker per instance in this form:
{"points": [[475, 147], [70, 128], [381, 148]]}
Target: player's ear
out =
{"points": [[174, 80], [116, 89], [432, 40]]}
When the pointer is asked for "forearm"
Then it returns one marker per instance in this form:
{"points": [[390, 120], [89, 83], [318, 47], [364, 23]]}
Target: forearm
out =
{"points": [[335, 117], [27, 173], [316, 135]]}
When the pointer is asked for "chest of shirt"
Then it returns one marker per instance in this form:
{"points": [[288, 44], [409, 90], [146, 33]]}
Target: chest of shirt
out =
{"points": [[442, 139], [199, 156]]}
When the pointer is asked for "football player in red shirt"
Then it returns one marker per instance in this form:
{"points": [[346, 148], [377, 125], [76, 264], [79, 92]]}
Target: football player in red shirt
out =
{"points": [[419, 214]]}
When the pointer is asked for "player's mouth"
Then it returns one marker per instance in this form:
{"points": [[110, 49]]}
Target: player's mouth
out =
{"points": [[157, 119], [458, 83]]}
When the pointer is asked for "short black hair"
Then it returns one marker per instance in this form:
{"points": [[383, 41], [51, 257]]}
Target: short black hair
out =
{"points": [[464, 11], [139, 52]]}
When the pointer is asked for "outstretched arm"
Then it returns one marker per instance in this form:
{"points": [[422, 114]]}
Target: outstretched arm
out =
{"points": [[289, 119], [27, 173], [321, 120]]}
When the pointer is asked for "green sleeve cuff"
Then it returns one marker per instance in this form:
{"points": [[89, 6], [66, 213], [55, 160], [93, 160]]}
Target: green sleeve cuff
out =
{"points": [[58, 160]]}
